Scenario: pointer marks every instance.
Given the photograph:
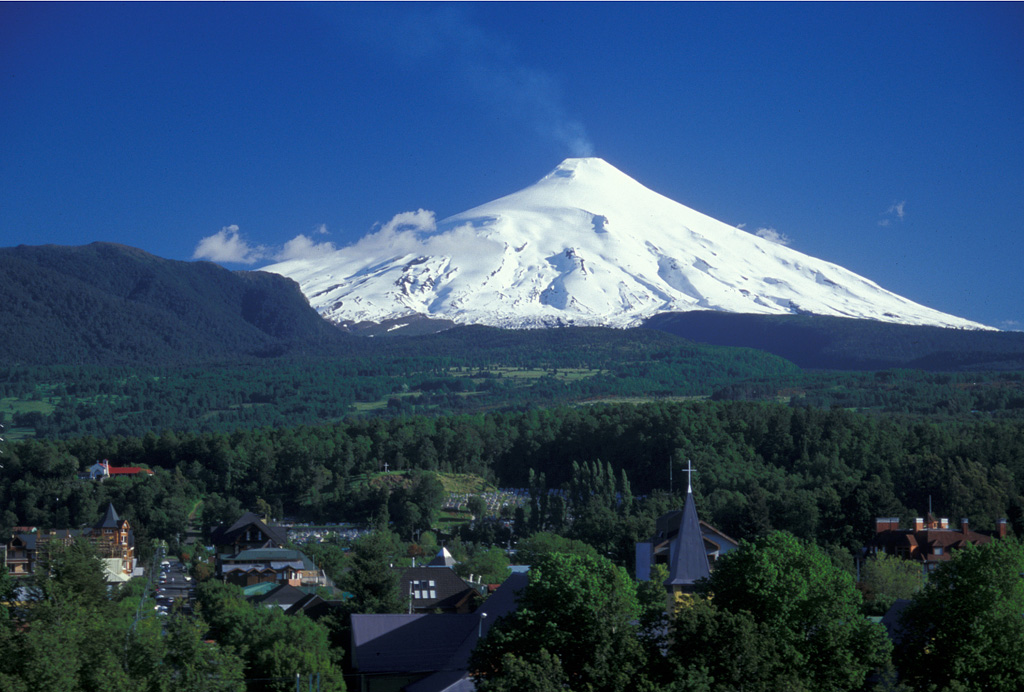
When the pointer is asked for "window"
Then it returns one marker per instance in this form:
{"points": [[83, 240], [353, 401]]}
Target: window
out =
{"points": [[938, 550], [431, 583], [433, 594], [416, 594]]}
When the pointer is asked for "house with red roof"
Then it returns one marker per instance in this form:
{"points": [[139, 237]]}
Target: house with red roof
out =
{"points": [[930, 541], [102, 470]]}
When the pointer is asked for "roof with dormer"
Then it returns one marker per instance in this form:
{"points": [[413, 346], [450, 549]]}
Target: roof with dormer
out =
{"points": [[432, 588]]}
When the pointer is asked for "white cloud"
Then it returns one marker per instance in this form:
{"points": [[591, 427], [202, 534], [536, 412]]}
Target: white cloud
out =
{"points": [[416, 233], [897, 210], [419, 221], [227, 245], [1012, 325], [402, 234], [303, 247], [772, 235]]}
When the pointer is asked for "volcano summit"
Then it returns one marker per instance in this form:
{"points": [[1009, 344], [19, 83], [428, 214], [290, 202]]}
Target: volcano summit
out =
{"points": [[585, 245]]}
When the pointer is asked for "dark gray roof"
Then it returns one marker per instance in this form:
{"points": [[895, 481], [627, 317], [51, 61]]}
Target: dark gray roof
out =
{"points": [[284, 596], [27, 539], [110, 519], [453, 675], [440, 644], [276, 534], [449, 588], [315, 607], [407, 643], [688, 559]]}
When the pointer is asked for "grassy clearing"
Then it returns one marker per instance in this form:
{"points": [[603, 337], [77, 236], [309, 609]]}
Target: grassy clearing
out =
{"points": [[639, 399], [12, 405], [522, 377], [565, 374], [460, 483], [465, 483]]}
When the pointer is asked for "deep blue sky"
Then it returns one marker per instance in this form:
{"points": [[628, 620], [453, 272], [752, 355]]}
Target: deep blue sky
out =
{"points": [[888, 138]]}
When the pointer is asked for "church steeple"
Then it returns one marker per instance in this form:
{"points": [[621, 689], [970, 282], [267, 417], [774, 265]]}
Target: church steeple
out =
{"points": [[688, 559]]}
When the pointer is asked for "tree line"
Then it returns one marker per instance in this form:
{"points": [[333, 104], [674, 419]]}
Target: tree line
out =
{"points": [[823, 475]]}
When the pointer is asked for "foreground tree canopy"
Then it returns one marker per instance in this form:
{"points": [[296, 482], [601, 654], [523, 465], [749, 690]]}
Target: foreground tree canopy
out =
{"points": [[965, 630], [575, 627], [781, 616]]}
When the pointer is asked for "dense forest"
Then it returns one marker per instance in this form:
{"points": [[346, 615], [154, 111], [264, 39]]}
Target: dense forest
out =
{"points": [[821, 474], [473, 369]]}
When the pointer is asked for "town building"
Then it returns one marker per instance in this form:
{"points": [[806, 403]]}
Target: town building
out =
{"points": [[112, 537], [424, 652], [251, 551], [930, 540], [102, 470], [688, 546]]}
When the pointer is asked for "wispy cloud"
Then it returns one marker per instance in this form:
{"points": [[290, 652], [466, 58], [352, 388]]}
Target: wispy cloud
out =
{"points": [[772, 235], [1012, 325], [487, 68], [897, 211]]}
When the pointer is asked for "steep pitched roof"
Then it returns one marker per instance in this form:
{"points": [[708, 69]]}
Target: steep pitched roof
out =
{"points": [[110, 519], [276, 534], [442, 559], [688, 558]]}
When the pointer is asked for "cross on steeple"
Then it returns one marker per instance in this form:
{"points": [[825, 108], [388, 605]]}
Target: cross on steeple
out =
{"points": [[689, 476]]}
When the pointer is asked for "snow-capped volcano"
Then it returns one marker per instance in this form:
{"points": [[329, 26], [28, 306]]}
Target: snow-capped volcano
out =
{"points": [[585, 245]]}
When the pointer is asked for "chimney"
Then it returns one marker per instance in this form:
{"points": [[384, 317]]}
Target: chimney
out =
{"points": [[882, 524], [919, 524], [965, 525], [1001, 526], [944, 523]]}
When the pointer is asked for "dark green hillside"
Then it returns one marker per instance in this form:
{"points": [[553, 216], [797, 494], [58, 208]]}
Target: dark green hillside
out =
{"points": [[835, 343], [107, 304]]}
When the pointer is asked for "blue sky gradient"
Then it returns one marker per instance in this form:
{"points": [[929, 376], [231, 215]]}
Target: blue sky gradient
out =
{"points": [[888, 138]]}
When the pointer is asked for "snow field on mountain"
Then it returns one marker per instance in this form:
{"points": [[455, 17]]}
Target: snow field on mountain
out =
{"points": [[586, 245]]}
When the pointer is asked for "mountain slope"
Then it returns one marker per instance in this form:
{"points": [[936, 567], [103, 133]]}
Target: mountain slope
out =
{"points": [[586, 245], [832, 343], [110, 304]]}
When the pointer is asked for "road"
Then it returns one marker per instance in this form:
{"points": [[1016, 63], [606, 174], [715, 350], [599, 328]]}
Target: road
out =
{"points": [[174, 587]]}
